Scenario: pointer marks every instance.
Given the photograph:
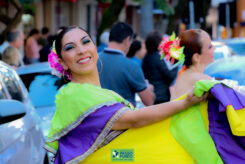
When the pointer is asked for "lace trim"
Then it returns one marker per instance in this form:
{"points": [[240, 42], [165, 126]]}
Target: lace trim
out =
{"points": [[100, 137], [110, 137], [74, 124]]}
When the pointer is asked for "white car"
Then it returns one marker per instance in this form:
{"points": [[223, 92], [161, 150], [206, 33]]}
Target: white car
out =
{"points": [[21, 137], [231, 68], [222, 50]]}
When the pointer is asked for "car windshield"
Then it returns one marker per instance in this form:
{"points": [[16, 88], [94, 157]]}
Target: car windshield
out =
{"points": [[229, 68], [2, 93], [238, 47], [9, 80], [42, 88]]}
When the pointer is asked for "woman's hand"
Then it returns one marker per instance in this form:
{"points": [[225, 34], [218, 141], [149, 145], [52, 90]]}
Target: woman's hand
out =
{"points": [[191, 99]]}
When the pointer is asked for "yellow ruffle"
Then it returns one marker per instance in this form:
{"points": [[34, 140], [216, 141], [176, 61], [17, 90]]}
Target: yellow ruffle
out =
{"points": [[152, 144], [236, 120]]}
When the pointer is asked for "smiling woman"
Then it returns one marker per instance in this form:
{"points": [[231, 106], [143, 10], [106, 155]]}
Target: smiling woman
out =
{"points": [[87, 116], [78, 53]]}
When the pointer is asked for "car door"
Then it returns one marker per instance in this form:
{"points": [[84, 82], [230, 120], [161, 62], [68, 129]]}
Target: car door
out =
{"points": [[21, 140]]}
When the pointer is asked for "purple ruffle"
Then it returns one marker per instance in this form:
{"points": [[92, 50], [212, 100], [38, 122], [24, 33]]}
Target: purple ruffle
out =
{"points": [[231, 148]]}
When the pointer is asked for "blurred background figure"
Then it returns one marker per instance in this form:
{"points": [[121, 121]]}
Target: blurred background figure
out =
{"points": [[137, 52], [43, 38], [11, 56], [156, 70], [3, 45], [44, 52], [137, 37], [32, 48], [46, 43], [45, 32], [104, 39], [120, 74], [15, 39], [60, 29]]}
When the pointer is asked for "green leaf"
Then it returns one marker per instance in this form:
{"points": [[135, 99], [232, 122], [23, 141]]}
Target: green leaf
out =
{"points": [[164, 5], [29, 8], [182, 49], [172, 37], [162, 56]]}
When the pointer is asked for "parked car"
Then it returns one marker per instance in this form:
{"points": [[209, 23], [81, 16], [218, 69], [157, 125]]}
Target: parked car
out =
{"points": [[237, 45], [222, 50], [231, 68], [21, 138]]}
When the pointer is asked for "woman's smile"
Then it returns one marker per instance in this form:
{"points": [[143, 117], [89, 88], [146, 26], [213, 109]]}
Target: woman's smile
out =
{"points": [[84, 60]]}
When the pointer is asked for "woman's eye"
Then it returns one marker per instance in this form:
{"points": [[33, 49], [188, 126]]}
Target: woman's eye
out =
{"points": [[68, 47], [85, 41], [210, 46]]}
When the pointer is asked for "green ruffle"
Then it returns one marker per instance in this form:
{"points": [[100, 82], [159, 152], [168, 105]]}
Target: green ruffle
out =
{"points": [[188, 129], [204, 86], [76, 101]]}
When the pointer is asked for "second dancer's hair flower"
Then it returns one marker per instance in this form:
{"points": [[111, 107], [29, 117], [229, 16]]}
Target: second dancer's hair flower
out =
{"points": [[171, 50]]}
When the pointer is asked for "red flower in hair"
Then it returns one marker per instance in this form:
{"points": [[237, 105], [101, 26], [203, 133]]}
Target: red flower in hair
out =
{"points": [[171, 50]]}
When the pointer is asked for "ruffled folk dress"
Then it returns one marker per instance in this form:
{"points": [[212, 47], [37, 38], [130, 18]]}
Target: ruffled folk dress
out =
{"points": [[209, 132]]}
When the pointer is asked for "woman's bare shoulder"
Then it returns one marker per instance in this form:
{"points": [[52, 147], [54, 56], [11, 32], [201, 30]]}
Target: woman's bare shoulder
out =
{"points": [[182, 85], [201, 76], [185, 82], [192, 77]]}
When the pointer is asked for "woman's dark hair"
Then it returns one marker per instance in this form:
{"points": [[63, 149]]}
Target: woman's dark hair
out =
{"points": [[190, 39], [152, 41], [60, 35], [134, 47]]}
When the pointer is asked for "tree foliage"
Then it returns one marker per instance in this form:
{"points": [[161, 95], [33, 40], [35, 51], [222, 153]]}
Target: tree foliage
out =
{"points": [[200, 10], [11, 22], [164, 6], [112, 12], [173, 20], [110, 16]]}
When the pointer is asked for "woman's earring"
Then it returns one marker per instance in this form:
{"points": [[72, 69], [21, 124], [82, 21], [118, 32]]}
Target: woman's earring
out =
{"points": [[66, 75], [101, 65]]}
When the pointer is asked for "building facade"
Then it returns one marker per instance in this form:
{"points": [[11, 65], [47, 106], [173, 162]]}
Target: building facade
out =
{"points": [[57, 13]]}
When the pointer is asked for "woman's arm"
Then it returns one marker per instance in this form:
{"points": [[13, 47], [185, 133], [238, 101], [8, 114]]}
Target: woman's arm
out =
{"points": [[154, 113]]}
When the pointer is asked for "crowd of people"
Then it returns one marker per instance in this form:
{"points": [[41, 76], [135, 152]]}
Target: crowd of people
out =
{"points": [[153, 80], [128, 64], [17, 50]]}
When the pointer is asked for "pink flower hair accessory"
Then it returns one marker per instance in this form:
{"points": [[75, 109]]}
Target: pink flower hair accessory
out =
{"points": [[172, 51], [53, 60]]}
